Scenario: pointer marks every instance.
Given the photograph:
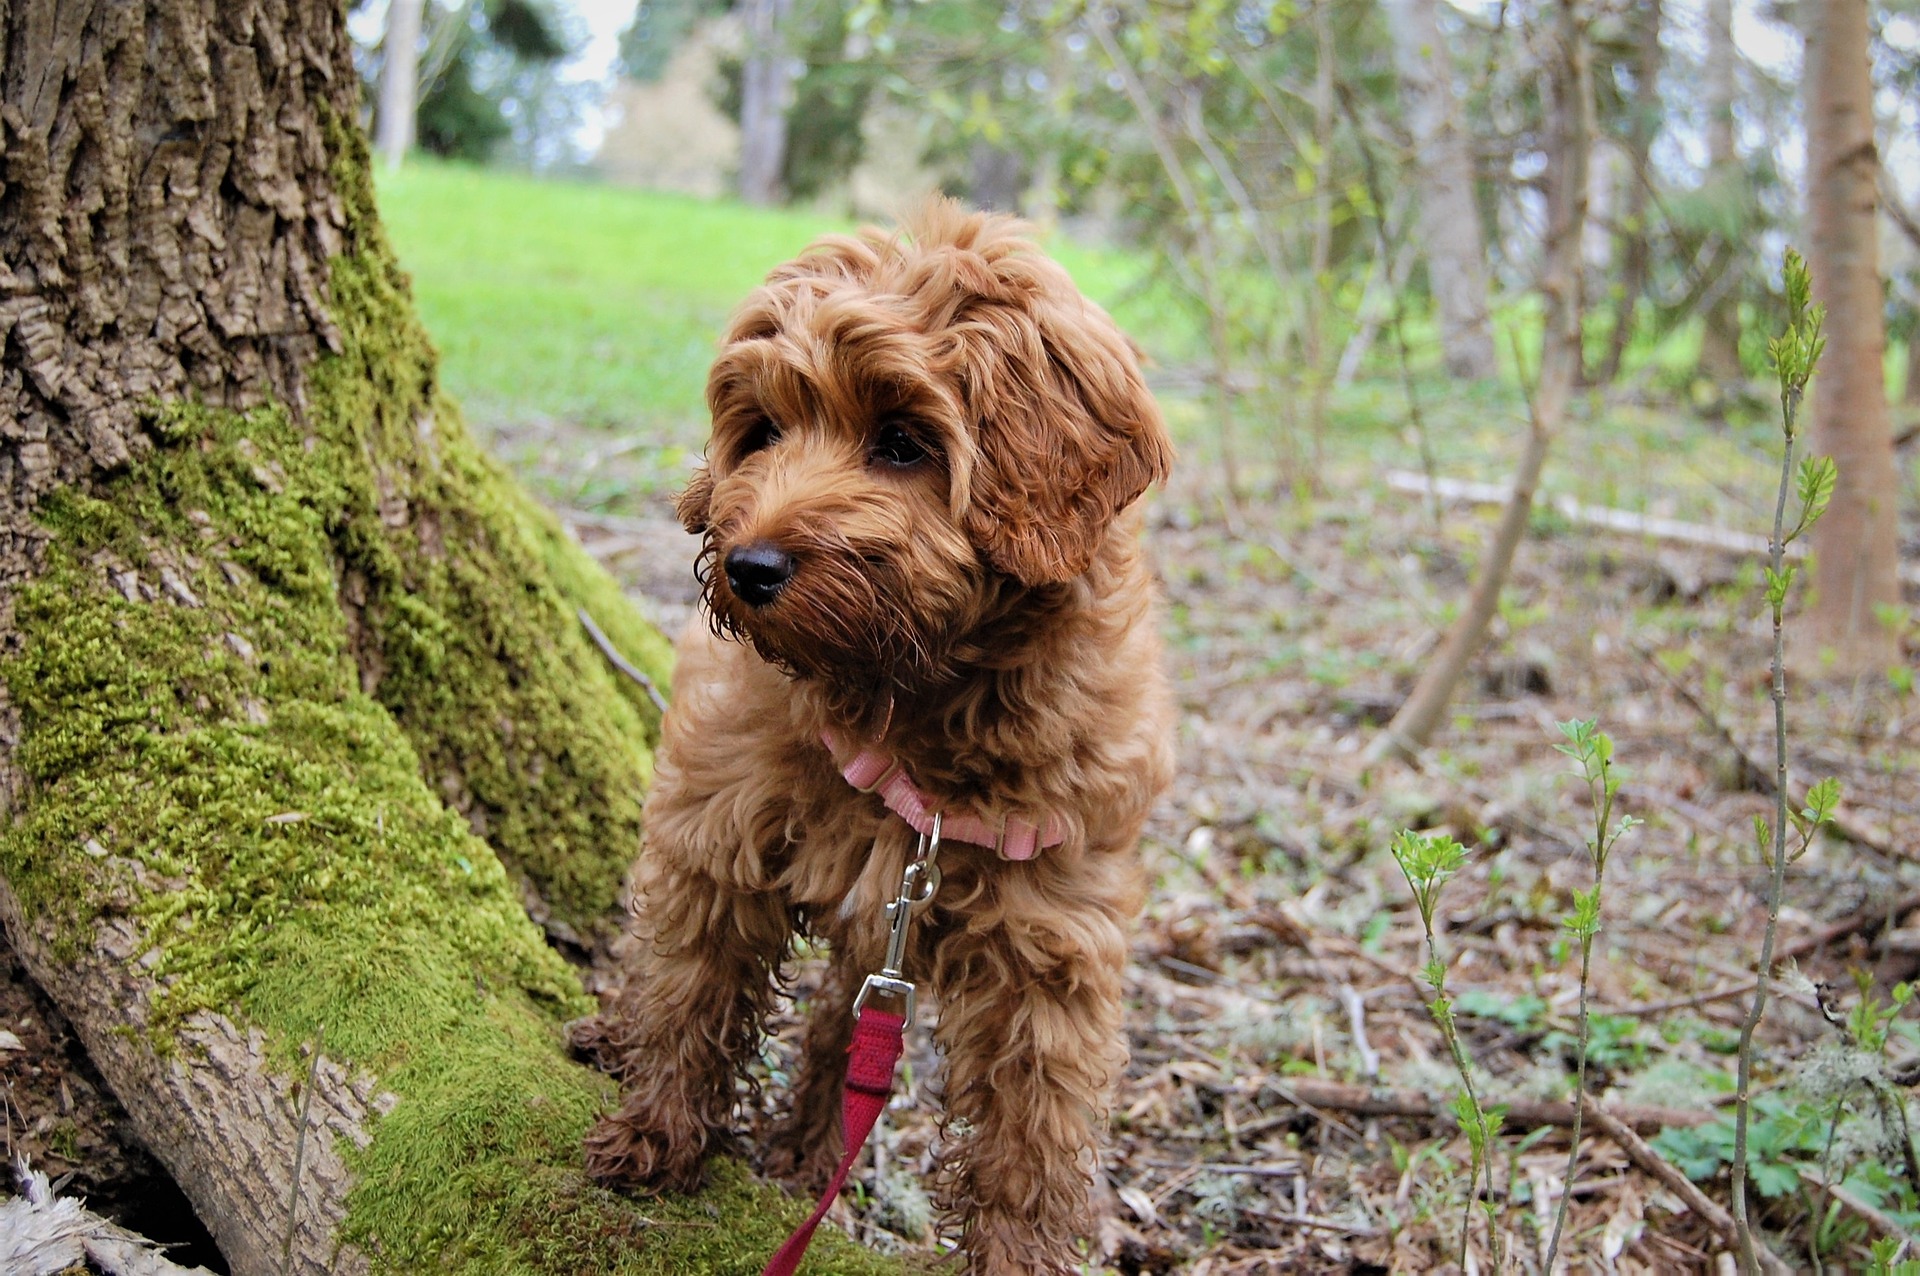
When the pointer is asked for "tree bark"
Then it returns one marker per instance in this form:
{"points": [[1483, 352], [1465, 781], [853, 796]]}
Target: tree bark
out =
{"points": [[1443, 166], [1720, 342], [1855, 546], [765, 84], [1635, 253], [298, 715], [393, 124]]}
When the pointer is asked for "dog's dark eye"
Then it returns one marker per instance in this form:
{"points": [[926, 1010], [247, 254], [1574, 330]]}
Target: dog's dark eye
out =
{"points": [[894, 446], [761, 435]]}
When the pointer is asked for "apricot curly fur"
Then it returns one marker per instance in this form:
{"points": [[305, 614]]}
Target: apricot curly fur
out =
{"points": [[974, 602]]}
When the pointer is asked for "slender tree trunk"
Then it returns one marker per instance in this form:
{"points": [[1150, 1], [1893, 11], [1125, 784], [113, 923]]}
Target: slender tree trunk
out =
{"points": [[1856, 545], [297, 715], [1571, 78], [1635, 254], [1720, 343], [1443, 166], [393, 123], [1207, 257], [765, 84], [1320, 255]]}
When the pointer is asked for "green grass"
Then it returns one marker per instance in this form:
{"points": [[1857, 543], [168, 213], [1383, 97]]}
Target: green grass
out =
{"points": [[590, 304], [599, 306]]}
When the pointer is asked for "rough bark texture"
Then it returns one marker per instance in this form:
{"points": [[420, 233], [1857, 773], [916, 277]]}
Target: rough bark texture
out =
{"points": [[212, 1105], [165, 223], [298, 710], [1443, 165], [1855, 546]]}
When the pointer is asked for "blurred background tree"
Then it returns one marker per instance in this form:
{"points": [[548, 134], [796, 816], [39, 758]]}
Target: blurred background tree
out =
{"points": [[486, 78]]}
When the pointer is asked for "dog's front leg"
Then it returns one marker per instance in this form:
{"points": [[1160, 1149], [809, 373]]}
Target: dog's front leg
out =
{"points": [[805, 1146], [685, 1026], [1030, 1023]]}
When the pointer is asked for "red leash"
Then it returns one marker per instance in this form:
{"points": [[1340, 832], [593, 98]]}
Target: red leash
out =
{"points": [[878, 1041], [877, 1045]]}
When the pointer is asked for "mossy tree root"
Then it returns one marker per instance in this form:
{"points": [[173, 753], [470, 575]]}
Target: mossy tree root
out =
{"points": [[298, 713]]}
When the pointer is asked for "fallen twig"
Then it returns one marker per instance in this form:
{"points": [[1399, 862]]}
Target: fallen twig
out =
{"points": [[1313, 1223], [1694, 1002], [1314, 1092], [1878, 1219], [621, 663], [1865, 919], [1625, 522], [1652, 1163]]}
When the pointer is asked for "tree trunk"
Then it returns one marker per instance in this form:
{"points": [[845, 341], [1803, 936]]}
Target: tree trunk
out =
{"points": [[1443, 166], [996, 177], [1313, 339], [1720, 343], [393, 124], [297, 713], [764, 90], [1856, 548], [1635, 252], [1568, 167]]}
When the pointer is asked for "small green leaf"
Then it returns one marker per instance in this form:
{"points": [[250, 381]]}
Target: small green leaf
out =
{"points": [[1822, 800], [1799, 284], [1778, 583]]}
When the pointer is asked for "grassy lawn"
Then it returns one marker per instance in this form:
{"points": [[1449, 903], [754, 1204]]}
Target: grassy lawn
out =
{"points": [[588, 304]]}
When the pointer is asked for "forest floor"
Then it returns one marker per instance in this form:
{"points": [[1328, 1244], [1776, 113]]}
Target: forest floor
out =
{"points": [[1277, 1017]]}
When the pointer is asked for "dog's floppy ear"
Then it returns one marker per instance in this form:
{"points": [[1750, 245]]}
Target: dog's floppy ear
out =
{"points": [[1068, 437], [692, 505]]}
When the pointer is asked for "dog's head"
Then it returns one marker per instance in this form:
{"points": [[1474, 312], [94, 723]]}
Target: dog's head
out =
{"points": [[902, 428]]}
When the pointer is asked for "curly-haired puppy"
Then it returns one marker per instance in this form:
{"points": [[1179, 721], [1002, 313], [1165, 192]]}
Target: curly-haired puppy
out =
{"points": [[922, 575]]}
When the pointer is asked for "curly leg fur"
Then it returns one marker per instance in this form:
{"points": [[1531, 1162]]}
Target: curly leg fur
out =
{"points": [[681, 1032], [805, 1147], [1033, 1045]]}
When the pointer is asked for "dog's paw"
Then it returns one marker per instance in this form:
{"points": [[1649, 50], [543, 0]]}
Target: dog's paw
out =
{"points": [[800, 1164], [625, 1155], [587, 1041]]}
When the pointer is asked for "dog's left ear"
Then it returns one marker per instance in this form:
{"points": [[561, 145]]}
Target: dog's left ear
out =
{"points": [[1068, 437], [692, 504]]}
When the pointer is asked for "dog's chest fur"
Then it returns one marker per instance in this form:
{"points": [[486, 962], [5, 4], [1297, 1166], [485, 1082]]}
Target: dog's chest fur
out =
{"points": [[1075, 725]]}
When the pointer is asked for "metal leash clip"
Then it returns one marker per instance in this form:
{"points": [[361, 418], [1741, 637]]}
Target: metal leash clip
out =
{"points": [[917, 885]]}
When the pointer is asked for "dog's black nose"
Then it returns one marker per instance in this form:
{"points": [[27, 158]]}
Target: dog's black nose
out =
{"points": [[758, 572]]}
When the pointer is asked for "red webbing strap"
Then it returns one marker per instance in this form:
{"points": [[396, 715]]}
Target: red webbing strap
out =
{"points": [[876, 1048]]}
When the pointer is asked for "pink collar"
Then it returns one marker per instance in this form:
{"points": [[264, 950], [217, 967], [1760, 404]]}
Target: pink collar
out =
{"points": [[872, 771]]}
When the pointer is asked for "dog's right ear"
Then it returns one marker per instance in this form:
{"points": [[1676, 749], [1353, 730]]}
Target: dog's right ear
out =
{"points": [[695, 502], [1069, 436]]}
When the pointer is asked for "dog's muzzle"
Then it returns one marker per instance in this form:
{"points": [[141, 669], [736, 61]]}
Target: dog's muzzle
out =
{"points": [[756, 573]]}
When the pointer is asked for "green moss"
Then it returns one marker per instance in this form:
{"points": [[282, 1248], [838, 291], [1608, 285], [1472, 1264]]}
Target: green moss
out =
{"points": [[272, 678]]}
